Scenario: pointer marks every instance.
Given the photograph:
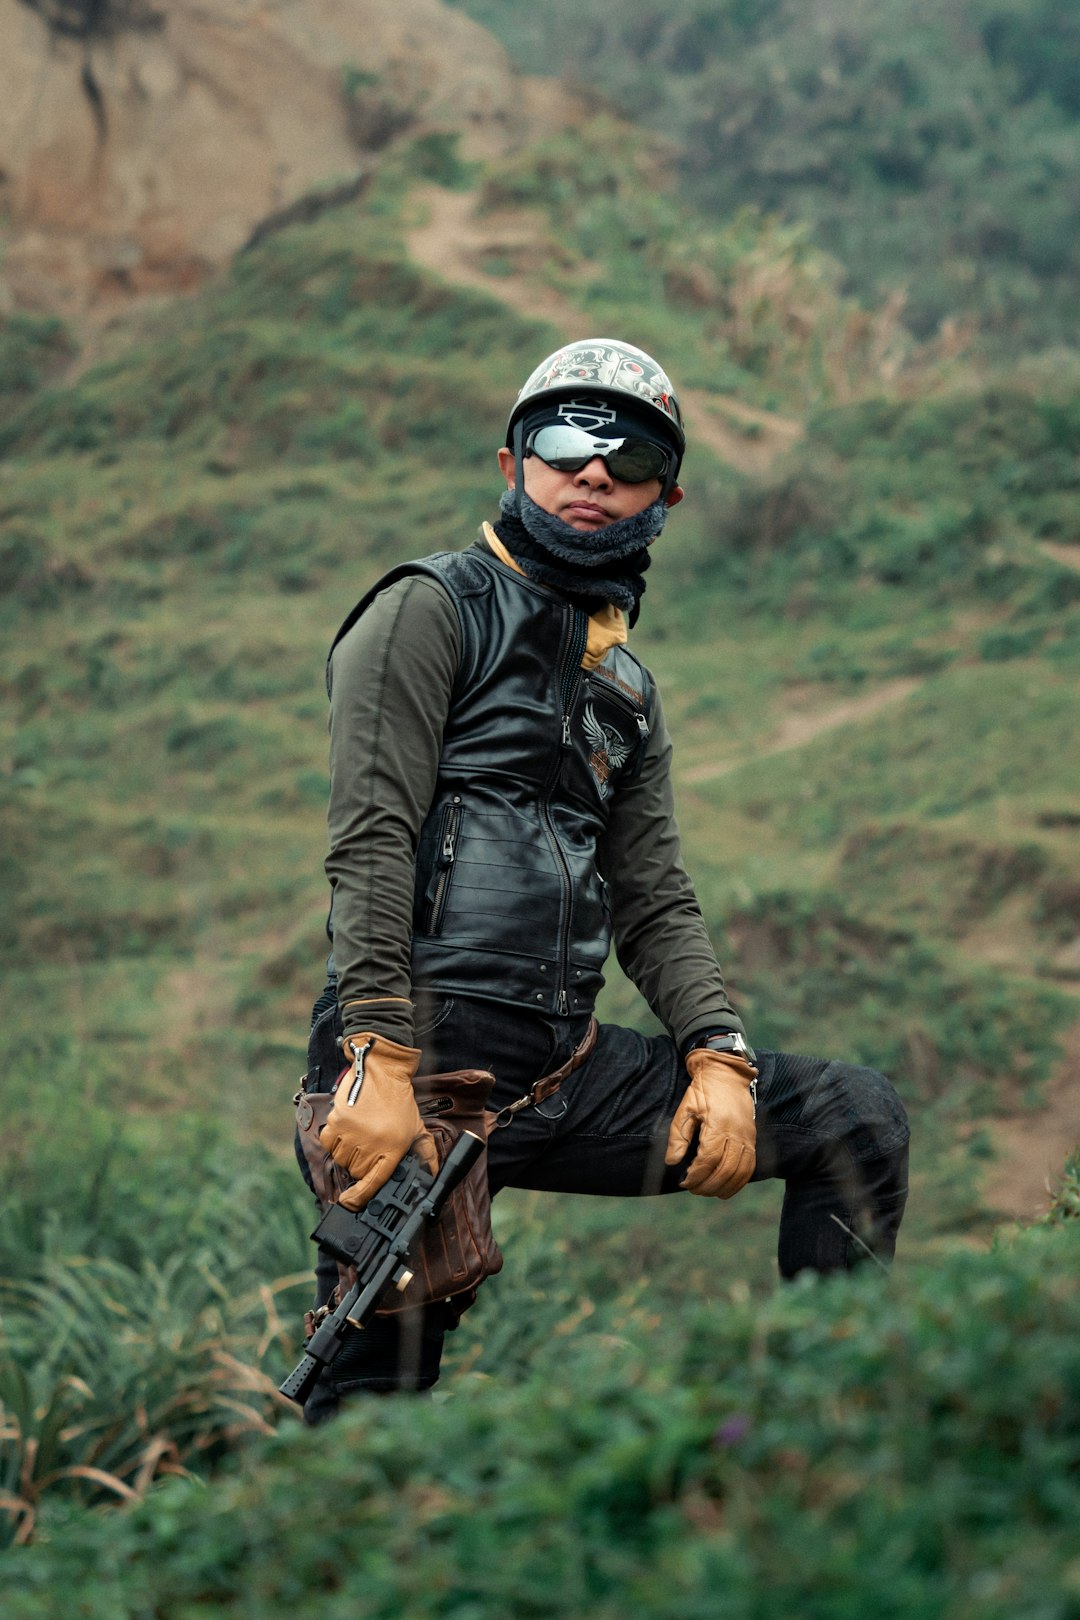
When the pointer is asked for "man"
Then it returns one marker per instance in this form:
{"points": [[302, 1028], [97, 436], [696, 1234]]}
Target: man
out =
{"points": [[500, 808]]}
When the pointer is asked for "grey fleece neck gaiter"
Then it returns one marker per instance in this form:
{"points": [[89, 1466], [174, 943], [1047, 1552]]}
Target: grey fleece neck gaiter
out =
{"points": [[591, 569]]}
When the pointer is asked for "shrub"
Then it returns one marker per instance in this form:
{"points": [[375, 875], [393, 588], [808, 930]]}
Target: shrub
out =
{"points": [[840, 1449]]}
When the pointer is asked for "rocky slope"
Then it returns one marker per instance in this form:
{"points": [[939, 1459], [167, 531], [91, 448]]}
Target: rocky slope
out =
{"points": [[141, 143]]}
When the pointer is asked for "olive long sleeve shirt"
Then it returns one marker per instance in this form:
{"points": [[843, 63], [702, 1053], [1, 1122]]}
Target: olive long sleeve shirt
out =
{"points": [[391, 682]]}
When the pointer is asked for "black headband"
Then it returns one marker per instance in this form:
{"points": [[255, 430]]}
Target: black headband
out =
{"points": [[603, 417]]}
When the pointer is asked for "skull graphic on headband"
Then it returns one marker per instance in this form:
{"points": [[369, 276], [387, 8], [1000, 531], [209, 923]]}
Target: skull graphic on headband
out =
{"points": [[591, 415]]}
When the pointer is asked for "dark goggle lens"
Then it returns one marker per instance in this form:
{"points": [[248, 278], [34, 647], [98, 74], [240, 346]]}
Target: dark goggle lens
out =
{"points": [[568, 449]]}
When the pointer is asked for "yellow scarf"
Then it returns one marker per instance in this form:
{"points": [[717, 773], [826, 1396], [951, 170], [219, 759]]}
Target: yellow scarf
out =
{"points": [[607, 627]]}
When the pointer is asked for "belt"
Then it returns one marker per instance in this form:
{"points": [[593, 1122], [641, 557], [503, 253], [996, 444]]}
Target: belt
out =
{"points": [[548, 1084]]}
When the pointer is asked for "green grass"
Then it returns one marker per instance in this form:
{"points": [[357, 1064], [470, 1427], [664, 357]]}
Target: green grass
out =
{"points": [[1017, 724]]}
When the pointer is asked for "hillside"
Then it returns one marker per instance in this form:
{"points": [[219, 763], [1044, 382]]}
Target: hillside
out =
{"points": [[933, 150], [864, 618]]}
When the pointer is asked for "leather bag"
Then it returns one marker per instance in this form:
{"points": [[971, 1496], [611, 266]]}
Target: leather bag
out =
{"points": [[457, 1251]]}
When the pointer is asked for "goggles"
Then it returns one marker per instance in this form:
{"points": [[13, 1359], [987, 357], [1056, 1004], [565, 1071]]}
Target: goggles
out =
{"points": [[568, 449]]}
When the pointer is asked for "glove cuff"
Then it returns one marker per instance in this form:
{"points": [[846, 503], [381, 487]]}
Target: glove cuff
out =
{"points": [[396, 1062], [704, 1063]]}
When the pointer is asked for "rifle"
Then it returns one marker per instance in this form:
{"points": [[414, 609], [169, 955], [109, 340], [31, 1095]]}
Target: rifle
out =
{"points": [[377, 1240]]}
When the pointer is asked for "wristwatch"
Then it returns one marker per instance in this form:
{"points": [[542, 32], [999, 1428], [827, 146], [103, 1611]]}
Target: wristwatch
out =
{"points": [[729, 1041], [738, 1046]]}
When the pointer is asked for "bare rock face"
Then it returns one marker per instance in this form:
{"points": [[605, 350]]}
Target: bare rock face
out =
{"points": [[141, 141]]}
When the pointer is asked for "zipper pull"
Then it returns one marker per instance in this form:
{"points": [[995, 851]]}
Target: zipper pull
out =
{"points": [[360, 1053], [643, 726], [563, 1005], [451, 834], [566, 731]]}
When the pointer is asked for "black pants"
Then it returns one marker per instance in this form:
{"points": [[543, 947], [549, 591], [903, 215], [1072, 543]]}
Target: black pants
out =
{"points": [[835, 1133]]}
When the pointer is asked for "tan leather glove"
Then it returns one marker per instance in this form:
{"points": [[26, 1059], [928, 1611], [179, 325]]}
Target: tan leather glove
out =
{"points": [[375, 1121], [720, 1102]]}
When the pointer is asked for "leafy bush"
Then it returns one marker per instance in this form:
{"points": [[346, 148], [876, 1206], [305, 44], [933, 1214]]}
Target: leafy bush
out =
{"points": [[1065, 1200], [840, 1449]]}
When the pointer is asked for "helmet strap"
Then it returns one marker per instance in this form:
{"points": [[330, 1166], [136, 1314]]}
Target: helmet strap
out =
{"points": [[519, 464]]}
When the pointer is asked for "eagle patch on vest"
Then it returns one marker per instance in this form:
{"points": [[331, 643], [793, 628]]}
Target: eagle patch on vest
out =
{"points": [[607, 750]]}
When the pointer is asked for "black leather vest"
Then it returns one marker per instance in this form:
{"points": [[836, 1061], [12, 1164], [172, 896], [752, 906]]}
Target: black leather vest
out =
{"points": [[509, 902]]}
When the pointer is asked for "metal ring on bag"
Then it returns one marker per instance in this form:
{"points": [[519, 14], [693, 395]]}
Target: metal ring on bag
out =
{"points": [[554, 1118]]}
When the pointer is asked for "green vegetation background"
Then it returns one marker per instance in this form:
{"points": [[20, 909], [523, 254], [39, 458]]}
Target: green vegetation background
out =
{"points": [[633, 1417], [930, 148]]}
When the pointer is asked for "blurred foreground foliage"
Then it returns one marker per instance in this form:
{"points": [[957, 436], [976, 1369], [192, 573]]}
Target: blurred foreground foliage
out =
{"points": [[838, 1449], [140, 1315]]}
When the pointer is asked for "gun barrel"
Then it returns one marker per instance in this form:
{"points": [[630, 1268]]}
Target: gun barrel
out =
{"points": [[455, 1167], [301, 1380]]}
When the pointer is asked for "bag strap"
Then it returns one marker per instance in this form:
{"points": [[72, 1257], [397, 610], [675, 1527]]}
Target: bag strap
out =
{"points": [[548, 1084]]}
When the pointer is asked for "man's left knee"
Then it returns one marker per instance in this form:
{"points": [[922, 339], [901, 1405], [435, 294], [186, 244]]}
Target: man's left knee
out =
{"points": [[859, 1107]]}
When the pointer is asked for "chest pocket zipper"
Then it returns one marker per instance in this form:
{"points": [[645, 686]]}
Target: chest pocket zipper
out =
{"points": [[447, 857]]}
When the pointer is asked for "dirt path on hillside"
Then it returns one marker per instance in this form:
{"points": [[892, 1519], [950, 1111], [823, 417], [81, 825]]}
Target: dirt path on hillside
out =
{"points": [[1031, 1148], [454, 242], [503, 255], [802, 725], [1068, 556]]}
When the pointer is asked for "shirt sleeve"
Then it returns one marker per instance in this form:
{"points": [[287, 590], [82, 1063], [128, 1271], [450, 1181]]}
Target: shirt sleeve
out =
{"points": [[661, 939], [391, 679]]}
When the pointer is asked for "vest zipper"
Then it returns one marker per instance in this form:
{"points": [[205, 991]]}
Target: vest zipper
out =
{"points": [[573, 651], [570, 667]]}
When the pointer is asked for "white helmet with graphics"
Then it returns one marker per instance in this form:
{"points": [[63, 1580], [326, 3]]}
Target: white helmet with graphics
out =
{"points": [[609, 371]]}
